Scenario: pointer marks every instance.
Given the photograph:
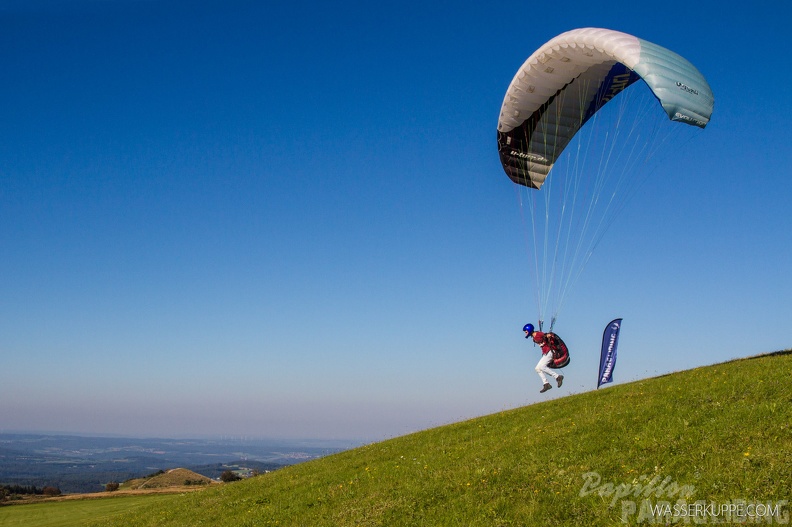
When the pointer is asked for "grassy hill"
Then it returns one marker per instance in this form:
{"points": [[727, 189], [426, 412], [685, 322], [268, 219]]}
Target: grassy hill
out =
{"points": [[713, 435], [176, 477]]}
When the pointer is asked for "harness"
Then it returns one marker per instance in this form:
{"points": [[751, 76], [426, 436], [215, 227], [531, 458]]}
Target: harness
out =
{"points": [[559, 350]]}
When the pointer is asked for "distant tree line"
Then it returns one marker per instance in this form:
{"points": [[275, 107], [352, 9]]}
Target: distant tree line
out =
{"points": [[69, 483], [11, 490]]}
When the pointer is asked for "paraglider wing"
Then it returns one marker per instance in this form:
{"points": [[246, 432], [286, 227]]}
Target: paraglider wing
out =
{"points": [[565, 82]]}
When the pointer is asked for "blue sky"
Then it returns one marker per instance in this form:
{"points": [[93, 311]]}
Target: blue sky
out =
{"points": [[290, 220]]}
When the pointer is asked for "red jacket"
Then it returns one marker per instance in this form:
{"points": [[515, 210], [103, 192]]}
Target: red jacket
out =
{"points": [[540, 339]]}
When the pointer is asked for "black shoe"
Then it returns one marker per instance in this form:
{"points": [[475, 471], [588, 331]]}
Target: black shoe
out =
{"points": [[545, 388], [560, 380]]}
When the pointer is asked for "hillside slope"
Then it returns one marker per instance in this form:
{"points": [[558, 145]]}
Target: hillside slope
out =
{"points": [[715, 435]]}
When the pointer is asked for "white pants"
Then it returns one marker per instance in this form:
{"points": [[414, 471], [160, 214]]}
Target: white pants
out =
{"points": [[541, 367]]}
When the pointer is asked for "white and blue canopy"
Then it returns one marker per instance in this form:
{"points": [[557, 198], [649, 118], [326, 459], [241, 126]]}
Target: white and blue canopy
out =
{"points": [[567, 80]]}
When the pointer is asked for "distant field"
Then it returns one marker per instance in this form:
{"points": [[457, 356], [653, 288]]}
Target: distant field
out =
{"points": [[74, 513]]}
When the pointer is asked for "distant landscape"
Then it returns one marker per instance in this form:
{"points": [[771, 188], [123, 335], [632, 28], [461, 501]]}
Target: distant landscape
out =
{"points": [[79, 464]]}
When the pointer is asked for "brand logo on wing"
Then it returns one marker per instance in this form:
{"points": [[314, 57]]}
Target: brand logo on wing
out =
{"points": [[686, 88], [682, 117], [619, 83], [529, 156]]}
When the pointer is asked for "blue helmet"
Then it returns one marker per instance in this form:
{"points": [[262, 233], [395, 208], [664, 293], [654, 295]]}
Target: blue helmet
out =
{"points": [[529, 328]]}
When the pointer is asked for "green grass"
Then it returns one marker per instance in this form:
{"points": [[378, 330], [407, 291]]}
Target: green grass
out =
{"points": [[72, 513], [722, 432]]}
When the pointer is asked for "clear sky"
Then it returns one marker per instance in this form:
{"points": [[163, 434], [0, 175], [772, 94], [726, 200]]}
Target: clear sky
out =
{"points": [[288, 219]]}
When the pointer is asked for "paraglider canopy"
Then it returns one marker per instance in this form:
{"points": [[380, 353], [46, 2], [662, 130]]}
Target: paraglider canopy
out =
{"points": [[571, 77]]}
